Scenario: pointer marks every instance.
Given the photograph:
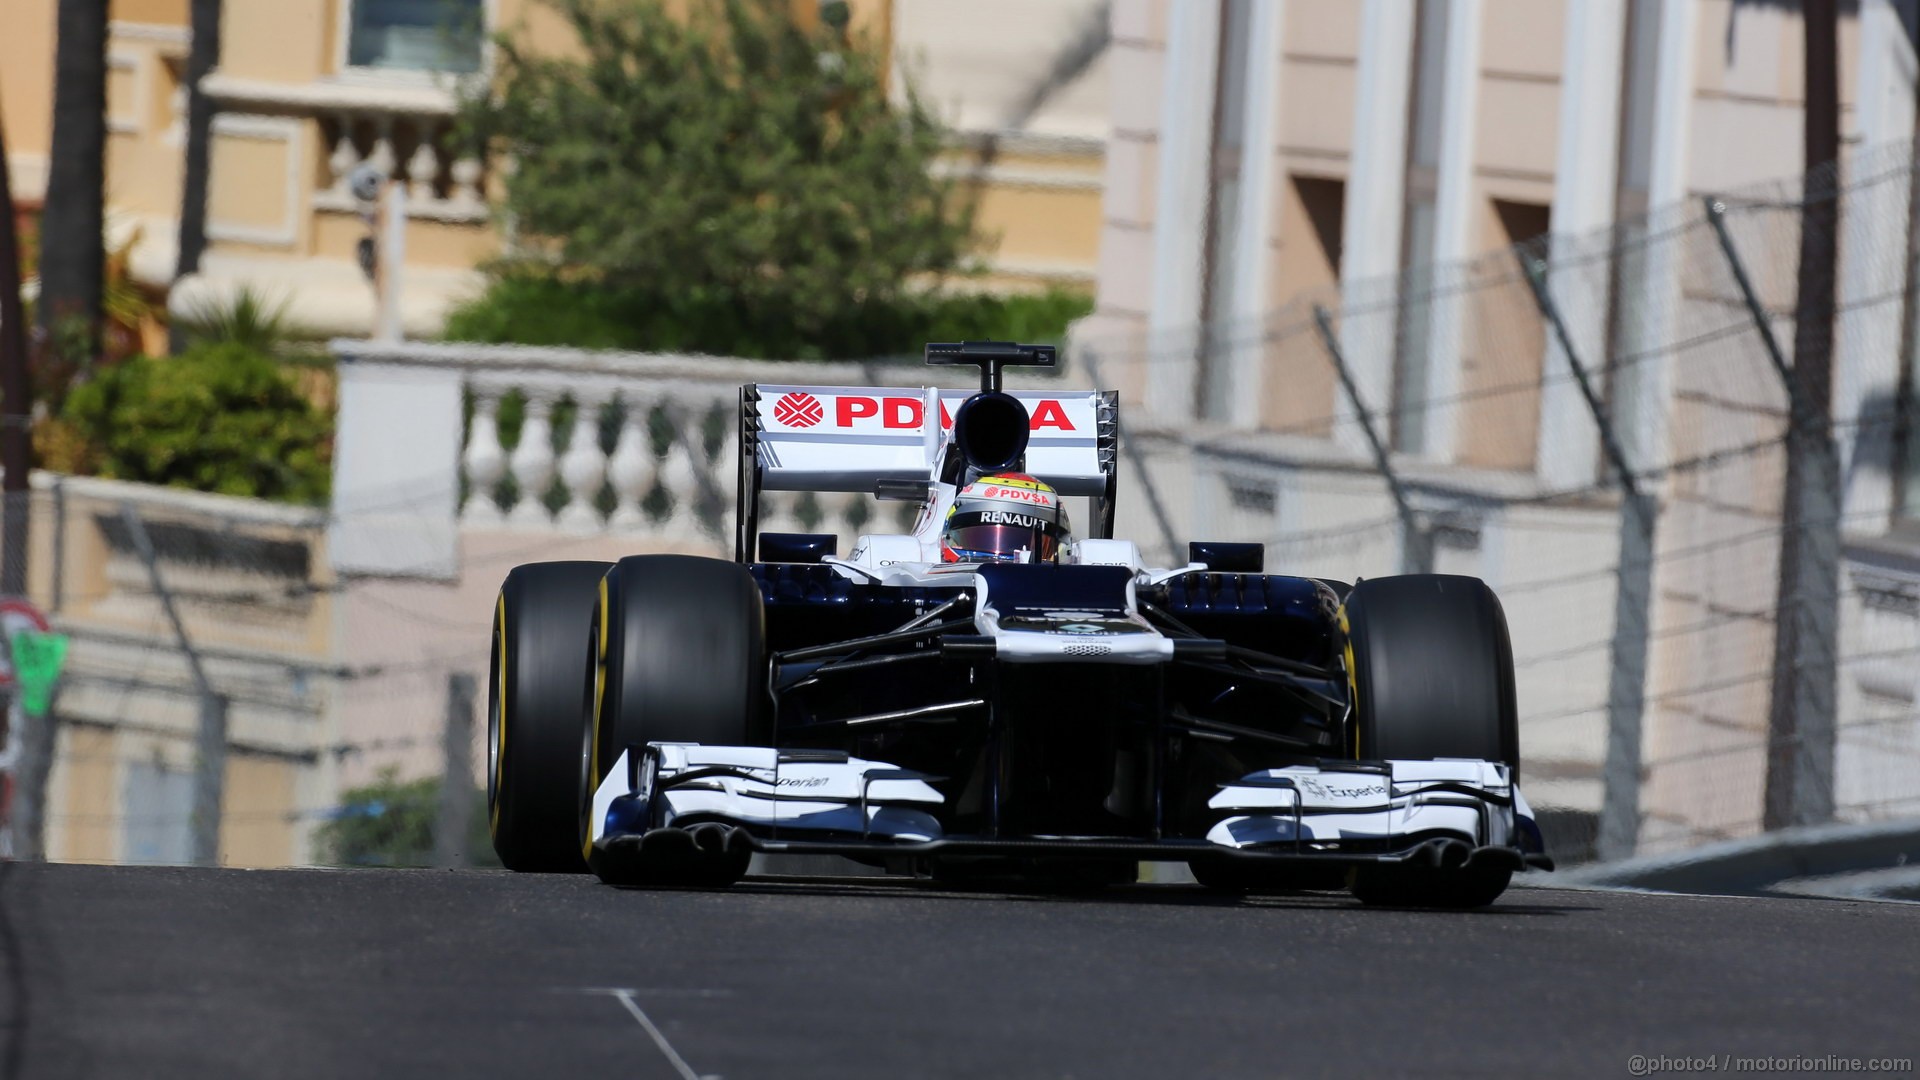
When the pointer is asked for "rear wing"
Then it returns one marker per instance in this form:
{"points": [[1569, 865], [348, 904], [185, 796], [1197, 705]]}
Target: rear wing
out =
{"points": [[866, 438]]}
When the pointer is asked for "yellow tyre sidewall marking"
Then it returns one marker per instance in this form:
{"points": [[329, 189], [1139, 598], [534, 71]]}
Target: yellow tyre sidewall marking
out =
{"points": [[500, 715], [599, 698], [1353, 683]]}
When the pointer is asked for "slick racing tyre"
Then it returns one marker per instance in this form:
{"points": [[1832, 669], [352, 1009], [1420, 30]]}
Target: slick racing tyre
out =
{"points": [[1430, 671], [535, 703], [677, 654]]}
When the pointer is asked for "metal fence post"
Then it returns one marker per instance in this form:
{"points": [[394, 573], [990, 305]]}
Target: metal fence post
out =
{"points": [[209, 778], [1416, 539], [1801, 734], [454, 819], [210, 743], [1619, 830], [33, 766]]}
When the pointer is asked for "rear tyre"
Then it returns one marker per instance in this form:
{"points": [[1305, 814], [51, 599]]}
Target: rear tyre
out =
{"points": [[535, 702], [1430, 670], [677, 653]]}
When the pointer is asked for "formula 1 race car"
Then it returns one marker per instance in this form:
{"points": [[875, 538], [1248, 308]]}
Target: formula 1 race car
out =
{"points": [[991, 696]]}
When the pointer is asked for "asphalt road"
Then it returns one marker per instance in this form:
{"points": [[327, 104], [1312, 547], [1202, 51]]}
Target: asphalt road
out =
{"points": [[152, 972]]}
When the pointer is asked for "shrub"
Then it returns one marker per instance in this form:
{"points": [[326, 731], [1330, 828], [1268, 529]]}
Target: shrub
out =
{"points": [[246, 318], [218, 418], [390, 822], [529, 309]]}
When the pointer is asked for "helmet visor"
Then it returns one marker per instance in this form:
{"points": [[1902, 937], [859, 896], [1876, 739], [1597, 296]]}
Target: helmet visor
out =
{"points": [[1000, 542]]}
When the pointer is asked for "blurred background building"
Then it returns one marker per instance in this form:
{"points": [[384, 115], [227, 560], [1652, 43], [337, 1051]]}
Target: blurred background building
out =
{"points": [[308, 90], [1271, 159], [1260, 195]]}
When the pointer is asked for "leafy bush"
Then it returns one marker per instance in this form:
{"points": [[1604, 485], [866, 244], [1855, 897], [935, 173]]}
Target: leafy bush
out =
{"points": [[219, 418], [730, 180], [531, 309], [390, 822]]}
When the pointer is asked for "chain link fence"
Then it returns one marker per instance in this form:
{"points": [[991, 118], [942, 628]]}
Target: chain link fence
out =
{"points": [[191, 719], [1601, 426]]}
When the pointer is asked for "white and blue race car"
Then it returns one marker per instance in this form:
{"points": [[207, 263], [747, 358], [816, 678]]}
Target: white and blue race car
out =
{"points": [[660, 719]]}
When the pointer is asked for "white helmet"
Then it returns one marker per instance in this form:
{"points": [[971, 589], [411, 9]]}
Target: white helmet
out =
{"points": [[1006, 517]]}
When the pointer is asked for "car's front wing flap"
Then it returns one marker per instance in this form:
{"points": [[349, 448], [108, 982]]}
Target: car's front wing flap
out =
{"points": [[821, 801]]}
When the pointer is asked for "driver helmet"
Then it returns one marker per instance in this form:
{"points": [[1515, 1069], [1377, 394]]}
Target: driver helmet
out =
{"points": [[1006, 517]]}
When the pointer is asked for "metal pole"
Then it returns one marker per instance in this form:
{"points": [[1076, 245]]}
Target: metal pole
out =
{"points": [[451, 825], [1717, 217], [1416, 543], [1619, 830], [210, 744], [33, 766], [1800, 722], [209, 779], [1536, 274], [391, 227], [1800, 728]]}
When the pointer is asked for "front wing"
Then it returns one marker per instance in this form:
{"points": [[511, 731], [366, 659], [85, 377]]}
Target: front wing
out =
{"points": [[1439, 813]]}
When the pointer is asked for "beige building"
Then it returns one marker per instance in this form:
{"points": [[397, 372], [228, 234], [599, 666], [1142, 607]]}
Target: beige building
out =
{"points": [[1265, 148], [250, 583], [1375, 159], [309, 90]]}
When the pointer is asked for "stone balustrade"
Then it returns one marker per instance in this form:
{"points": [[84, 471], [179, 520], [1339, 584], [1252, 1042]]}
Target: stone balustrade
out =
{"points": [[439, 438], [441, 184], [401, 130], [640, 459]]}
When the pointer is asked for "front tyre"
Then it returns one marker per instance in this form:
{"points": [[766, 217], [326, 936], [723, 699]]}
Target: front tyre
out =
{"points": [[677, 653], [535, 701], [1430, 672]]}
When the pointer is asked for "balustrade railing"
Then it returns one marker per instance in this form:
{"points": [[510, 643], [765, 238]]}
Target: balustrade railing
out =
{"points": [[639, 460], [595, 442], [442, 184], [402, 131]]}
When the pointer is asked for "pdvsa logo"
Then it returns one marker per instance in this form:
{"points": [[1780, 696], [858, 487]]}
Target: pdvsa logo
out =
{"points": [[798, 410], [855, 412], [906, 412], [1038, 498]]}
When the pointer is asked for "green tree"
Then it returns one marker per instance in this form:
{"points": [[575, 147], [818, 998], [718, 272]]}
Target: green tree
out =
{"points": [[222, 418], [746, 174]]}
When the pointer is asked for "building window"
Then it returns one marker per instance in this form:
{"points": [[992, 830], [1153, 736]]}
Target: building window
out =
{"points": [[158, 828], [416, 35]]}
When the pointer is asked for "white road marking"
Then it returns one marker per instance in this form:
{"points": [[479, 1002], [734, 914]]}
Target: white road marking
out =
{"points": [[625, 996], [674, 991]]}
